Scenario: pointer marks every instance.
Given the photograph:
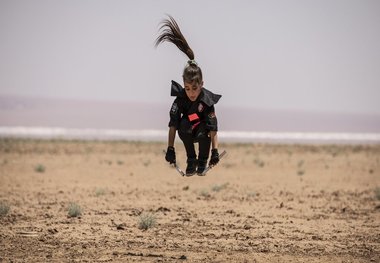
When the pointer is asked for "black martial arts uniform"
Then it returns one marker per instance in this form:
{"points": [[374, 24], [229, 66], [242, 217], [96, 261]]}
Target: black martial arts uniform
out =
{"points": [[194, 120]]}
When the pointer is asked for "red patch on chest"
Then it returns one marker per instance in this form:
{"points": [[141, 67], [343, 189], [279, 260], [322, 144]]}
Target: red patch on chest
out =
{"points": [[193, 117]]}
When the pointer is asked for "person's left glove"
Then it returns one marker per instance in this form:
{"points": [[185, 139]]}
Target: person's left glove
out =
{"points": [[170, 155], [214, 157]]}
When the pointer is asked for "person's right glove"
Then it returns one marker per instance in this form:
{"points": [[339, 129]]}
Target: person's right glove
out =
{"points": [[214, 157], [170, 155]]}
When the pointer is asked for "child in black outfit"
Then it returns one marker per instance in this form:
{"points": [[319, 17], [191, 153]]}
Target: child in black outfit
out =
{"points": [[192, 112]]}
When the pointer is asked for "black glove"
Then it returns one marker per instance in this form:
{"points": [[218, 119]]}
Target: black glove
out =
{"points": [[170, 155], [214, 157]]}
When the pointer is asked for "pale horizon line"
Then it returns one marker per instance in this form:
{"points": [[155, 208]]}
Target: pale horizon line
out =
{"points": [[161, 135]]}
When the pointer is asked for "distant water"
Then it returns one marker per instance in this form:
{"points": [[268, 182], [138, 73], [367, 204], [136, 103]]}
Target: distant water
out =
{"points": [[136, 116], [48, 118], [161, 135]]}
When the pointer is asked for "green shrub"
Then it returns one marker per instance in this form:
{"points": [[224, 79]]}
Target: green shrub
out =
{"points": [[258, 162], [377, 193], [39, 168], [217, 188], [146, 221], [4, 209], [100, 191], [74, 210], [204, 193]]}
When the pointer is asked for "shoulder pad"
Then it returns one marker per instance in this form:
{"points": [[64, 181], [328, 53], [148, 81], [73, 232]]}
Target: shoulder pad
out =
{"points": [[210, 98], [177, 90]]}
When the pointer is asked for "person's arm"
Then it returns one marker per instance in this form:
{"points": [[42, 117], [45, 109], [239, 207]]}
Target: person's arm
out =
{"points": [[171, 136], [175, 116], [212, 124], [214, 139]]}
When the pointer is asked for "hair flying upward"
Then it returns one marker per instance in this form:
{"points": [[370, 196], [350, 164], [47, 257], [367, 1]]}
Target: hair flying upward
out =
{"points": [[171, 33]]}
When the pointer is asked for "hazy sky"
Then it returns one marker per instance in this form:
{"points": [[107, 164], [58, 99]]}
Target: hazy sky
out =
{"points": [[312, 55]]}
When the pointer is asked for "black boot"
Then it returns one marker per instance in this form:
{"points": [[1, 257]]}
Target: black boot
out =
{"points": [[191, 167], [202, 164]]}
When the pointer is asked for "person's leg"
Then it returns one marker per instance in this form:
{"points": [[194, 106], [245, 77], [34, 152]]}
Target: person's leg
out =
{"points": [[188, 142], [204, 152], [185, 134]]}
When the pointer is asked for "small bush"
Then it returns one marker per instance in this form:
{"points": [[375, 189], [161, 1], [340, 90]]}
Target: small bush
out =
{"points": [[259, 162], [39, 168], [204, 193], [217, 188], [74, 210], [146, 221], [377, 193], [100, 192], [146, 163], [4, 209]]}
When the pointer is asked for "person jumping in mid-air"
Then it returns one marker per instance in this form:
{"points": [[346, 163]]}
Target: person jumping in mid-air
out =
{"points": [[192, 112]]}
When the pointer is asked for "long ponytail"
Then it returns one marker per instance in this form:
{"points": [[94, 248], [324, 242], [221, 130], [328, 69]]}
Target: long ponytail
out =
{"points": [[170, 32]]}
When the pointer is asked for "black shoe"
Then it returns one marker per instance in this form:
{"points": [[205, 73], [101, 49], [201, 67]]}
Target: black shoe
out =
{"points": [[202, 164], [191, 167]]}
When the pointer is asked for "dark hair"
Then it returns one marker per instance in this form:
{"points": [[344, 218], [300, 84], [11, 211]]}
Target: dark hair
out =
{"points": [[171, 33]]}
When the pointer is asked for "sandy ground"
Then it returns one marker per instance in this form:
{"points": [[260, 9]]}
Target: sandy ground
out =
{"points": [[262, 203]]}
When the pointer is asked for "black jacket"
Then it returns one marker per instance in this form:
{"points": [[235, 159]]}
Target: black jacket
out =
{"points": [[193, 115]]}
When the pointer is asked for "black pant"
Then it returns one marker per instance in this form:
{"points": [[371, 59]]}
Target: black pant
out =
{"points": [[204, 146], [190, 137]]}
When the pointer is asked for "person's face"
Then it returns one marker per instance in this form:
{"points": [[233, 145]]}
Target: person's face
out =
{"points": [[193, 90]]}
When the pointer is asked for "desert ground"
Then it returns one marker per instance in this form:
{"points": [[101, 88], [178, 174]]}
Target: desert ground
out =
{"points": [[119, 201]]}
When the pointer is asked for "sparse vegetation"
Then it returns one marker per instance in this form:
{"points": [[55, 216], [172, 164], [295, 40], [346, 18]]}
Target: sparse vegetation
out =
{"points": [[243, 213], [39, 168], [146, 163], [259, 162], [146, 221], [204, 193], [74, 210], [377, 193], [100, 191], [217, 188], [4, 208], [300, 166]]}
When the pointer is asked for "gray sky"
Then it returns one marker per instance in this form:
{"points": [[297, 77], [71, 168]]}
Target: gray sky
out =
{"points": [[309, 55]]}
